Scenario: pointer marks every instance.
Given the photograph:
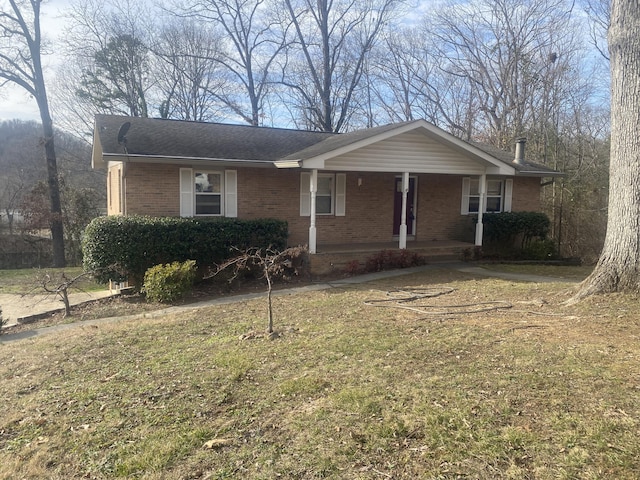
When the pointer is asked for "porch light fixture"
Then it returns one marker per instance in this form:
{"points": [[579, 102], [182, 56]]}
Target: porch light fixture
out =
{"points": [[359, 181]]}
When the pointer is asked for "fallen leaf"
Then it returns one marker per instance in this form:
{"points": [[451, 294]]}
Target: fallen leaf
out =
{"points": [[218, 443]]}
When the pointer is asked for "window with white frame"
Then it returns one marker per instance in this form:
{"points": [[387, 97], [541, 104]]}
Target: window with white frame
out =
{"points": [[498, 195], [330, 194], [324, 195], [208, 193]]}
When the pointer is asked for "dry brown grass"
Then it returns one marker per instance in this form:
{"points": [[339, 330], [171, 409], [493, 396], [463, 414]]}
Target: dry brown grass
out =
{"points": [[540, 390]]}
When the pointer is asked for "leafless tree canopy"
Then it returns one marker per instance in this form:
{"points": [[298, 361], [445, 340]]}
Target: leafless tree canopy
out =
{"points": [[21, 47]]}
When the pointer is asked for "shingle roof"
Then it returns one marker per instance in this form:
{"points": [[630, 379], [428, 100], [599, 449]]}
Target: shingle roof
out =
{"points": [[507, 157], [337, 141], [182, 139], [174, 138]]}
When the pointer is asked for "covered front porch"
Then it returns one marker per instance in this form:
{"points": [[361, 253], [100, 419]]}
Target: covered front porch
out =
{"points": [[332, 258]]}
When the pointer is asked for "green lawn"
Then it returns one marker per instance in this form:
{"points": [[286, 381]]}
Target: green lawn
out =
{"points": [[559, 271], [29, 279], [494, 380]]}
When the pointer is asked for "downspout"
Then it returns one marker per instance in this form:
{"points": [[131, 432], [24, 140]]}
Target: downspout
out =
{"points": [[313, 188], [124, 189], [482, 188], [403, 215]]}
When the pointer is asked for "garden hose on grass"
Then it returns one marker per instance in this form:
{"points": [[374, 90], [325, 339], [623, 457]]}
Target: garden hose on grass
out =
{"points": [[413, 300]]}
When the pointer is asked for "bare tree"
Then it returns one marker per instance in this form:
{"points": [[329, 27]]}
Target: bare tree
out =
{"points": [[189, 76], [410, 83], [618, 268], [503, 50], [599, 12], [20, 165], [326, 62], [270, 264], [21, 47], [254, 39]]}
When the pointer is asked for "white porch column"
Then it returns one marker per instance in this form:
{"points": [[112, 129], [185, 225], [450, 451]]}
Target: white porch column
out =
{"points": [[482, 206], [313, 189], [403, 215]]}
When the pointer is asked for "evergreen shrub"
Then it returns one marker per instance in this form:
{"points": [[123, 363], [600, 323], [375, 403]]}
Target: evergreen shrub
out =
{"points": [[123, 248], [170, 282]]}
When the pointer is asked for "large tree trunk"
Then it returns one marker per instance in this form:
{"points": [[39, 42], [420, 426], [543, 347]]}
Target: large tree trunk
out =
{"points": [[619, 266], [57, 231]]}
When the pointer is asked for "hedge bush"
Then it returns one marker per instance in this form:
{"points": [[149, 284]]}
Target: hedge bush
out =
{"points": [[170, 282], [506, 227], [119, 248]]}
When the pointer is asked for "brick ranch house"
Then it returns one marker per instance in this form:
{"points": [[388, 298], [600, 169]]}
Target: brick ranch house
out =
{"points": [[404, 185]]}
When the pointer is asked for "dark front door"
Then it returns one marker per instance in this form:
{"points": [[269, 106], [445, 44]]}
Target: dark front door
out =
{"points": [[397, 206]]}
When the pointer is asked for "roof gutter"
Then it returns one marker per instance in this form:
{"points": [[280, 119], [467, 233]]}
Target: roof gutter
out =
{"points": [[538, 173], [148, 158]]}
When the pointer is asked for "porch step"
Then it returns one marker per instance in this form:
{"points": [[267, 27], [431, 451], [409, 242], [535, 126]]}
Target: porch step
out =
{"points": [[333, 262]]}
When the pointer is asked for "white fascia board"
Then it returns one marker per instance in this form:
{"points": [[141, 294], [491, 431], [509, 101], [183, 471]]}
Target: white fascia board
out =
{"points": [[538, 173], [503, 169], [165, 159]]}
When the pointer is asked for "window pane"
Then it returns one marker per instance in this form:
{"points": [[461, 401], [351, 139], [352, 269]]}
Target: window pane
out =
{"points": [[207, 204], [474, 187], [208, 182], [493, 204], [494, 187], [474, 202], [324, 185], [323, 204]]}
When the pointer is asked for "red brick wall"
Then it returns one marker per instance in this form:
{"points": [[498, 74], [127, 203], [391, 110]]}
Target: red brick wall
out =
{"points": [[439, 218], [526, 195], [368, 215], [155, 190]]}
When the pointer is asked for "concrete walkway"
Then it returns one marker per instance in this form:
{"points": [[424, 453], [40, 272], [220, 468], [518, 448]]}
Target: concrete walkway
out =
{"points": [[18, 302], [17, 308]]}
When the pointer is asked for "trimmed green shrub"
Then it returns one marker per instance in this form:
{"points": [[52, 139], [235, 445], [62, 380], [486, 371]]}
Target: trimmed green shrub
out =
{"points": [[505, 228], [170, 282], [123, 248], [540, 250]]}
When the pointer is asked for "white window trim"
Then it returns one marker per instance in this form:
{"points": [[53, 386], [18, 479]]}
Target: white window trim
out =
{"points": [[332, 193], [228, 192], [506, 194], [220, 193], [338, 194]]}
